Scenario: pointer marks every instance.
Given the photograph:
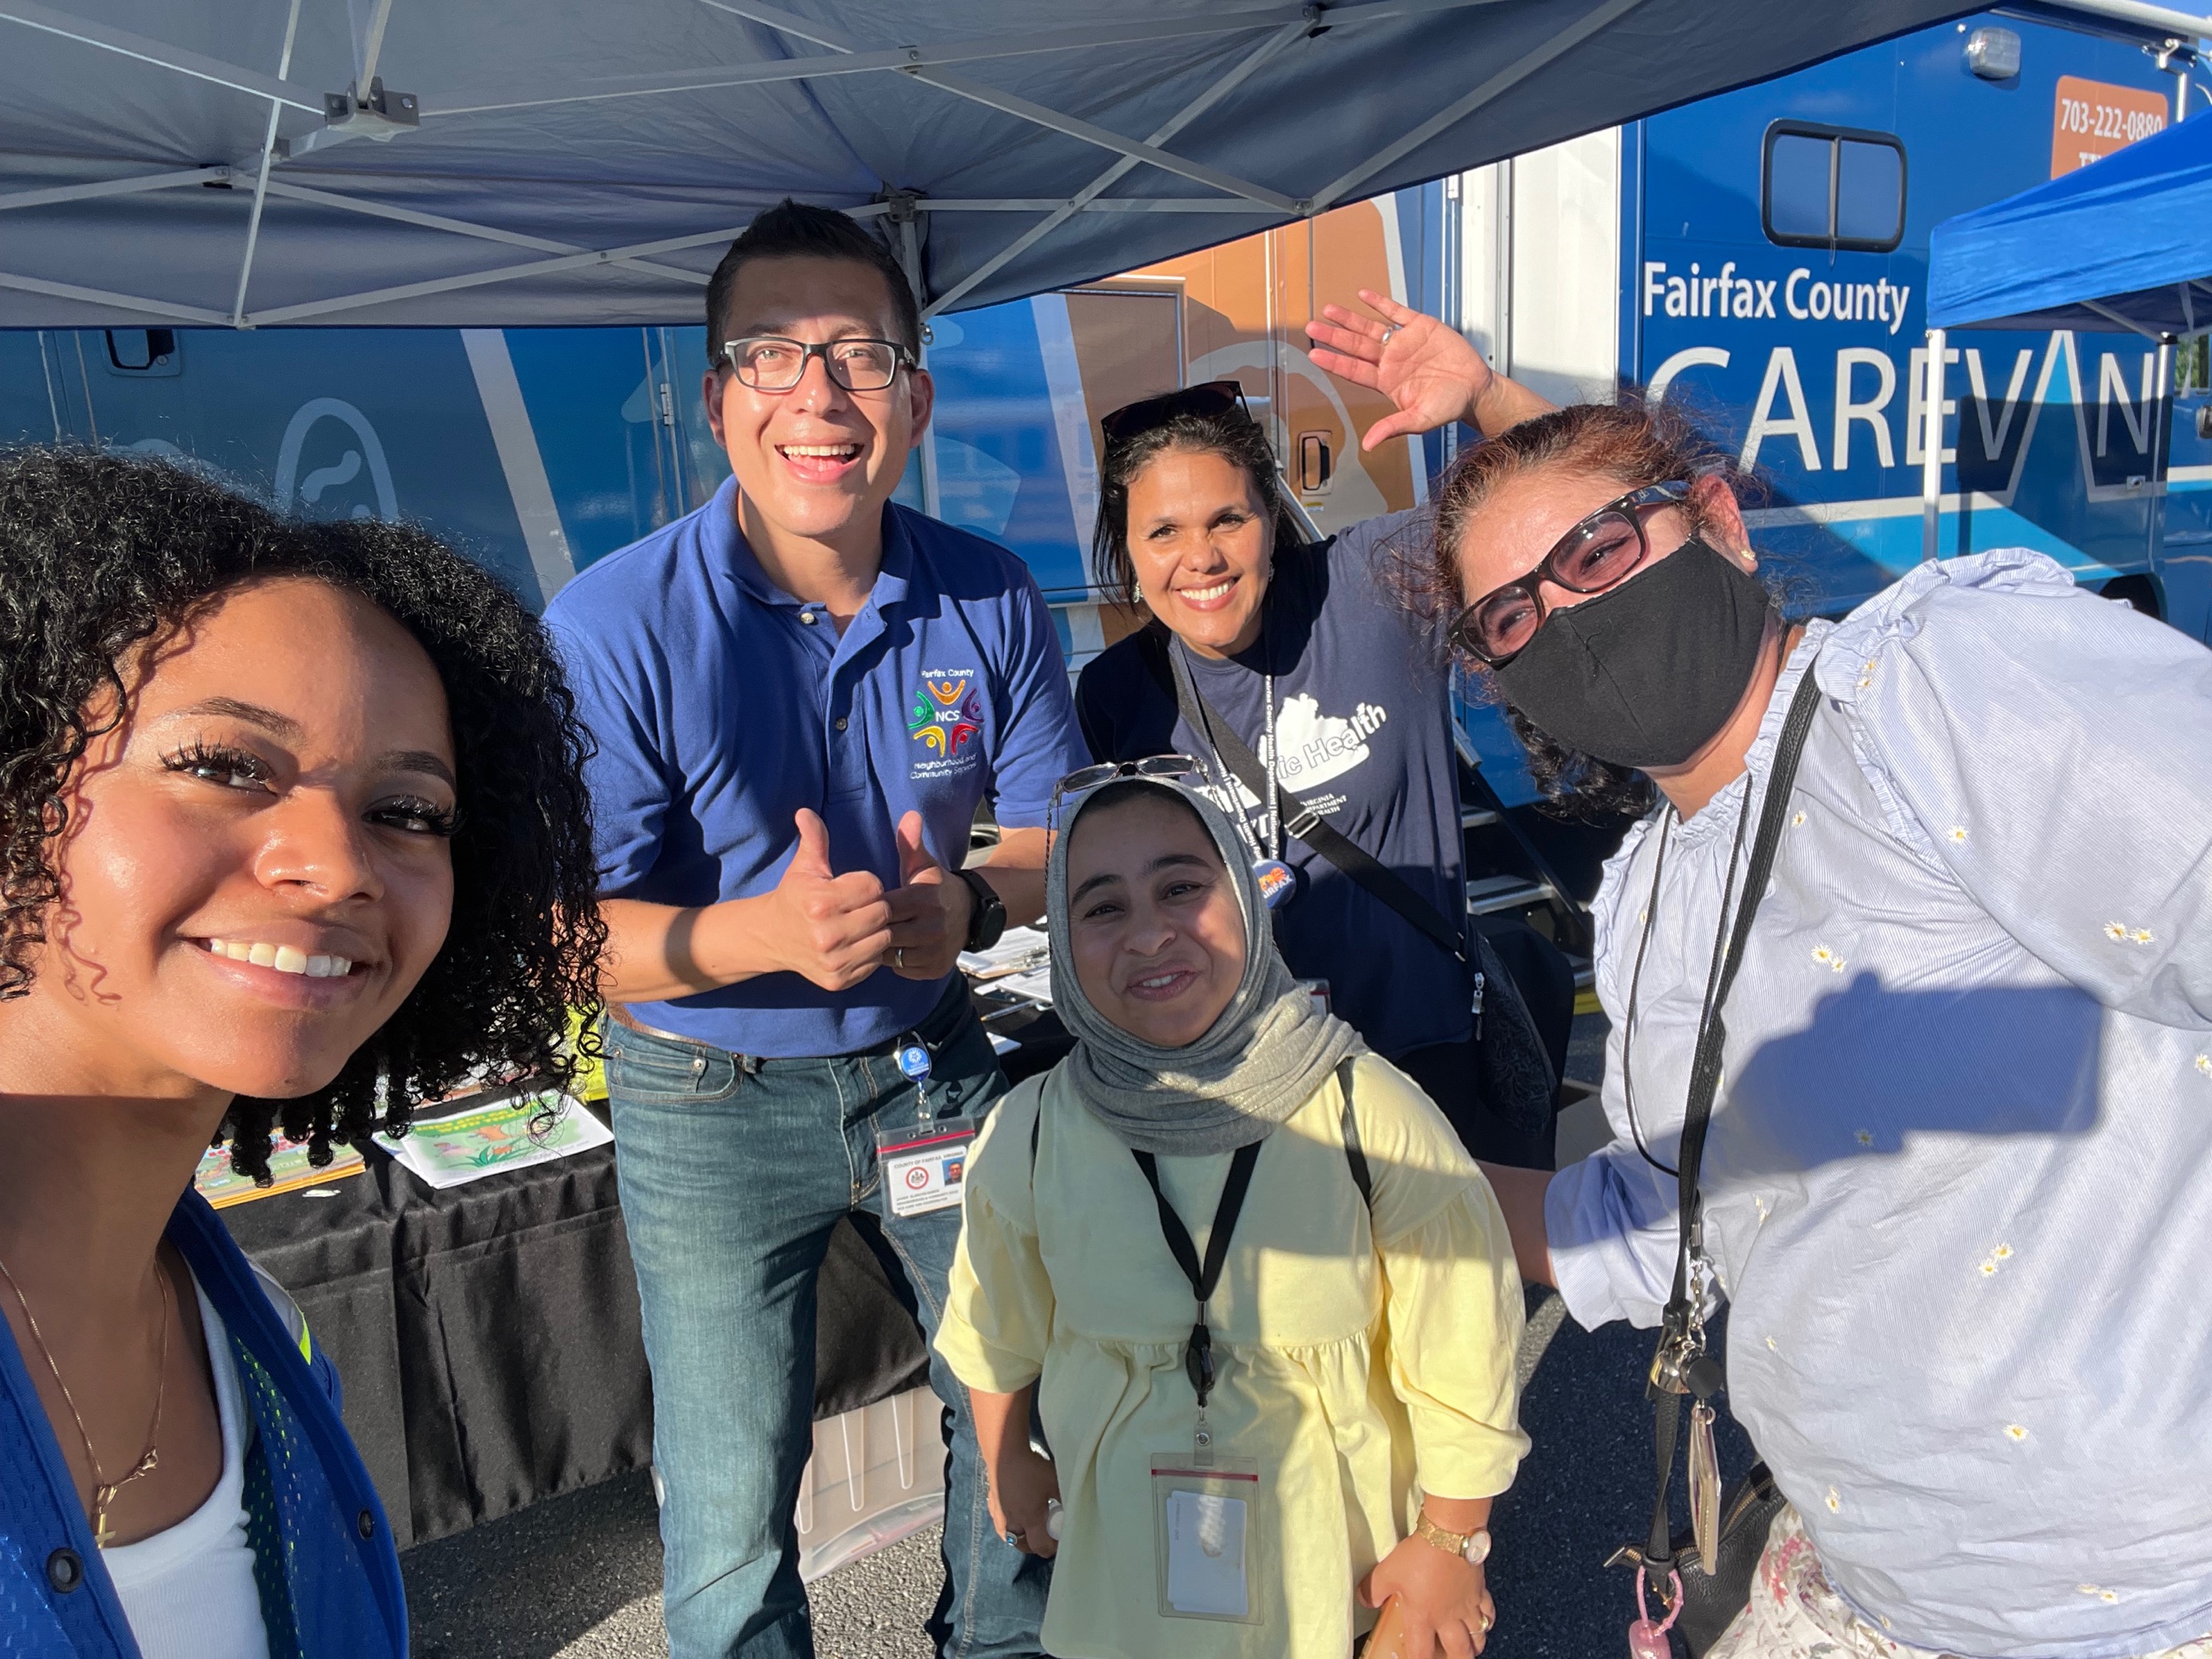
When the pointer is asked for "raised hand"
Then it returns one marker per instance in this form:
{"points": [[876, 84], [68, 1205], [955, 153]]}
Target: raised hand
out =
{"points": [[929, 910], [834, 930], [1428, 371]]}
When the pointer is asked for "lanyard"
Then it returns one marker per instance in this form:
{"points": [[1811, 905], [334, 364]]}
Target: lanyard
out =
{"points": [[1271, 813], [1197, 1356]]}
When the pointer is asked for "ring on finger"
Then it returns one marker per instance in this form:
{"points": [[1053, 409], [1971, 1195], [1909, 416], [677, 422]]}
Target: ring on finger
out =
{"points": [[899, 956], [1015, 1538]]}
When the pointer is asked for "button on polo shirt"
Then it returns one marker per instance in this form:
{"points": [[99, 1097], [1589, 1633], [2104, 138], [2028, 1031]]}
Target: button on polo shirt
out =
{"points": [[721, 705]]}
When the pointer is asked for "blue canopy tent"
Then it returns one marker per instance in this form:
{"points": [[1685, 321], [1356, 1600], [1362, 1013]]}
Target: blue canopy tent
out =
{"points": [[258, 163], [2126, 243]]}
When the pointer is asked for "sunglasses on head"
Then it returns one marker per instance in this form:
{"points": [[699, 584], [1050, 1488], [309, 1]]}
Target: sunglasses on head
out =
{"points": [[1132, 421], [1601, 550], [1084, 779]]}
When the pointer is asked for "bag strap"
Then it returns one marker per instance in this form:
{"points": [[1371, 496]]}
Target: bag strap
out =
{"points": [[1380, 881], [1702, 1376], [1354, 1153]]}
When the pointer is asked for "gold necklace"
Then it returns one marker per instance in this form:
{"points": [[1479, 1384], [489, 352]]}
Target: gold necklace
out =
{"points": [[104, 1491]]}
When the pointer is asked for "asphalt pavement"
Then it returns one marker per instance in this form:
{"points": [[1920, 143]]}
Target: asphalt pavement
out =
{"points": [[578, 1576]]}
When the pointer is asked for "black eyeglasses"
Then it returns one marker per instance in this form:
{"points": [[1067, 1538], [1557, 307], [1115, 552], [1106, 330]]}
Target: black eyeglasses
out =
{"points": [[772, 362], [1084, 779], [1608, 546], [1210, 398]]}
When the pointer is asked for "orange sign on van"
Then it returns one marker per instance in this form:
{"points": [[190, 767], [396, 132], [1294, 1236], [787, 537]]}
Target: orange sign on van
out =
{"points": [[2093, 119]]}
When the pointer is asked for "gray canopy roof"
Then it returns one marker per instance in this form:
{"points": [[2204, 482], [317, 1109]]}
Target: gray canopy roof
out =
{"points": [[496, 163]]}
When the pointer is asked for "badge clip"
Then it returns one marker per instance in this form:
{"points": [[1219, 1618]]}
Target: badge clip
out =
{"points": [[1278, 882]]}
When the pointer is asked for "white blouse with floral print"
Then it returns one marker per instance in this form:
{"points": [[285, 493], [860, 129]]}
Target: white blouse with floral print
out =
{"points": [[1960, 1177]]}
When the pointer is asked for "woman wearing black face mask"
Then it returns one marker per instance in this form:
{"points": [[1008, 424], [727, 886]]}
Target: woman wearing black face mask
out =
{"points": [[1947, 864]]}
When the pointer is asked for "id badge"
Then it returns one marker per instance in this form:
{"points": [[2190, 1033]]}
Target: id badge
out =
{"points": [[1205, 1528], [1318, 990], [923, 1164]]}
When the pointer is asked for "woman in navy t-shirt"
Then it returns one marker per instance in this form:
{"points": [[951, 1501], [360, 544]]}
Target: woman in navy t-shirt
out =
{"points": [[1300, 651]]}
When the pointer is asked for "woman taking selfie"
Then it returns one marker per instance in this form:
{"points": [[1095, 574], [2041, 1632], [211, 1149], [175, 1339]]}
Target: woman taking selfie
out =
{"points": [[1227, 1487], [1261, 645], [1944, 863], [291, 834]]}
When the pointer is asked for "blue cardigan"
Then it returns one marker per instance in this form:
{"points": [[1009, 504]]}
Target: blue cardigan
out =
{"points": [[324, 1559]]}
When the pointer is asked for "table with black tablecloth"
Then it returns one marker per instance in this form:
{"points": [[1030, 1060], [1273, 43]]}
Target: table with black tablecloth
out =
{"points": [[487, 1335]]}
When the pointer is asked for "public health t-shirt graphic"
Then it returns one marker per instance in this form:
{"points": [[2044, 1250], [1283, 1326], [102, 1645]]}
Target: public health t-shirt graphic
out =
{"points": [[1317, 747], [945, 721]]}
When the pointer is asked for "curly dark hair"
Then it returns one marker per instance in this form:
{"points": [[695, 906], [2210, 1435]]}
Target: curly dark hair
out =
{"points": [[101, 554], [1235, 436], [1631, 443]]}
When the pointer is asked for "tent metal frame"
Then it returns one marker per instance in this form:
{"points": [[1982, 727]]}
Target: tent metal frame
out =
{"points": [[927, 63]]}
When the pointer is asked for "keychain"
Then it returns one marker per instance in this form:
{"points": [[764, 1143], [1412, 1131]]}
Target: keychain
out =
{"points": [[1646, 1639], [913, 1058]]}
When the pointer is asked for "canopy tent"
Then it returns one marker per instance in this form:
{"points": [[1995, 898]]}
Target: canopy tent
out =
{"points": [[264, 162], [2123, 243]]}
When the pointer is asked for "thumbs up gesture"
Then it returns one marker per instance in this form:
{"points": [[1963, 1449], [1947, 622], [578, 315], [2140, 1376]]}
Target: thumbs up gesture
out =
{"points": [[929, 910], [834, 930]]}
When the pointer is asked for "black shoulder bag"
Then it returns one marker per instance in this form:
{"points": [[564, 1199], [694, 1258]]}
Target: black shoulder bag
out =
{"points": [[1518, 1076], [1705, 1578]]}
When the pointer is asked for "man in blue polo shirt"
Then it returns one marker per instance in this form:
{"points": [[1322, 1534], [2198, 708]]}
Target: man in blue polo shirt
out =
{"points": [[800, 694]]}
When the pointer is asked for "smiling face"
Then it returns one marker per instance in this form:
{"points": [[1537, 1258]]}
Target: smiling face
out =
{"points": [[1202, 543], [256, 871], [817, 462], [1158, 936]]}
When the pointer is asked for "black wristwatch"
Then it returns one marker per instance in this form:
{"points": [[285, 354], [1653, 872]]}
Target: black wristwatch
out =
{"points": [[987, 920]]}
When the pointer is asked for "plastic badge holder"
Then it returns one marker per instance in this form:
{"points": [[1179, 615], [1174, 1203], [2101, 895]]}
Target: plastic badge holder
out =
{"points": [[1205, 1529], [925, 1163]]}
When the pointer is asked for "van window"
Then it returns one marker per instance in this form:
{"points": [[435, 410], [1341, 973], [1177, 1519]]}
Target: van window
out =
{"points": [[1832, 187]]}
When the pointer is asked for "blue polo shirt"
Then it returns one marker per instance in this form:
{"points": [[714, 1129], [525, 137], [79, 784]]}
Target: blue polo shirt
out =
{"points": [[721, 705]]}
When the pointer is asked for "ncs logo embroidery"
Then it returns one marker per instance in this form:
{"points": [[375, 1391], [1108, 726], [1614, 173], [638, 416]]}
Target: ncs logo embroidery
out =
{"points": [[947, 712]]}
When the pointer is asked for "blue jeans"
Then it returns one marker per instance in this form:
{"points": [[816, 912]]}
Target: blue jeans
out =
{"points": [[733, 1170]]}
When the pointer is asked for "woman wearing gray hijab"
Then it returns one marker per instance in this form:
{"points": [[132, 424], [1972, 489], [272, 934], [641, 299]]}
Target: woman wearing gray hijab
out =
{"points": [[1326, 1430]]}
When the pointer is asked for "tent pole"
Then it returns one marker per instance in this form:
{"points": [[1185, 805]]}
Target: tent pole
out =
{"points": [[473, 279], [2161, 443], [1061, 212], [905, 216], [31, 198], [48, 21], [1931, 457], [261, 181], [462, 227], [1574, 34], [169, 310]]}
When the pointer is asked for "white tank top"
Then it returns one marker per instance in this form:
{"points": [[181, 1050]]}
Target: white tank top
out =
{"points": [[189, 1592]]}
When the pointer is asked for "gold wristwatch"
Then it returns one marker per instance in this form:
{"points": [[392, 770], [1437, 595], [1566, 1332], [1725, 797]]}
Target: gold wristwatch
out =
{"points": [[1471, 1547]]}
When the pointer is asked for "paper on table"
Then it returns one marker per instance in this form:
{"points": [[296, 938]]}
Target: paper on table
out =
{"points": [[1034, 984], [492, 1136], [1017, 948], [288, 1168]]}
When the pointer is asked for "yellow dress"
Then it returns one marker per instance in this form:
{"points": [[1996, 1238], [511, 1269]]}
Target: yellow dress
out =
{"points": [[1355, 1362]]}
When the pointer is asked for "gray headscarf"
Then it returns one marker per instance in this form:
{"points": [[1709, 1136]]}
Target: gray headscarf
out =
{"points": [[1266, 1054]]}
